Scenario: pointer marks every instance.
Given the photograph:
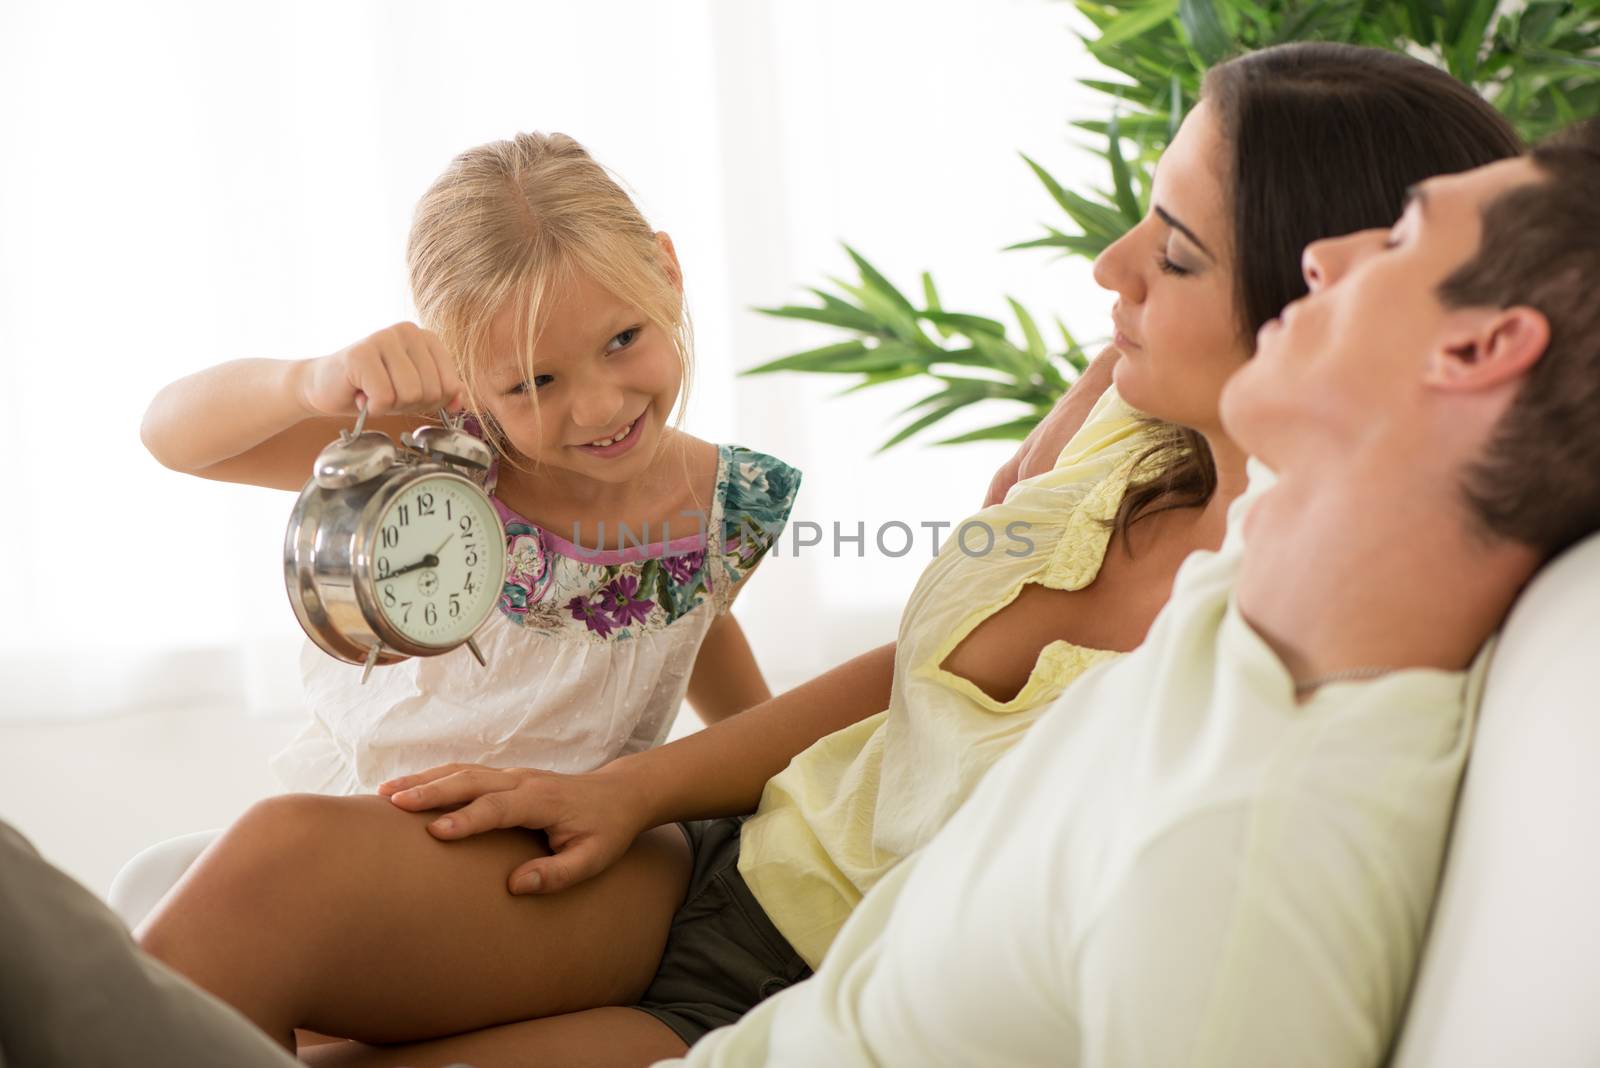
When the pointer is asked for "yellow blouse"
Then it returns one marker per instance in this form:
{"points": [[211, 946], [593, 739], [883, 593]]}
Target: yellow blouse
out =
{"points": [[848, 809]]}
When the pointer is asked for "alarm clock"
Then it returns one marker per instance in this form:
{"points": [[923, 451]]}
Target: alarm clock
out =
{"points": [[394, 551]]}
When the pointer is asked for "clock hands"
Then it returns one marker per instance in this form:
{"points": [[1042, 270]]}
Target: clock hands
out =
{"points": [[427, 561], [431, 560]]}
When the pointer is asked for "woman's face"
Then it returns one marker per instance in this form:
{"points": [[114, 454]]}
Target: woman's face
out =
{"points": [[1177, 325], [606, 379]]}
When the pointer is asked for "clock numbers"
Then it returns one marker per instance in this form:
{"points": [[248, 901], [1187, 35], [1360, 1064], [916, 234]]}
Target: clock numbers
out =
{"points": [[431, 581]]}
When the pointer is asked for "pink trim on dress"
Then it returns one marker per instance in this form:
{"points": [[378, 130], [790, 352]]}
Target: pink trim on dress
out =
{"points": [[628, 555]]}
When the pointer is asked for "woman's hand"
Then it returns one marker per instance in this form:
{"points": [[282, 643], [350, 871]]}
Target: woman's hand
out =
{"points": [[401, 369], [1042, 448], [590, 820]]}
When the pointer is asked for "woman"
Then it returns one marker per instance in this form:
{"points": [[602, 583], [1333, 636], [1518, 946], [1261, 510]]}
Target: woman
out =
{"points": [[622, 946]]}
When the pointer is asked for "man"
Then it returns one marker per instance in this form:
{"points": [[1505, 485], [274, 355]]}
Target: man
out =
{"points": [[1221, 849]]}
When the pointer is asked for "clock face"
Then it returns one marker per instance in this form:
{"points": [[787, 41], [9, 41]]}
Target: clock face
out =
{"points": [[437, 561]]}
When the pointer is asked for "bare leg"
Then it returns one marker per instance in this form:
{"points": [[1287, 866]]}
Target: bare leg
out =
{"points": [[344, 916], [596, 1038]]}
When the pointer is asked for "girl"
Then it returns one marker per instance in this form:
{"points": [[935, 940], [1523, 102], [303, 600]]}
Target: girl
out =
{"points": [[867, 762], [555, 317]]}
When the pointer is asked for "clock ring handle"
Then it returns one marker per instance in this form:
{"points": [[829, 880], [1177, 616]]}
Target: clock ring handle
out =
{"points": [[361, 421]]}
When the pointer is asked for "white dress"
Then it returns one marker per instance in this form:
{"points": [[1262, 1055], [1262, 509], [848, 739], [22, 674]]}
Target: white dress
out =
{"points": [[589, 656]]}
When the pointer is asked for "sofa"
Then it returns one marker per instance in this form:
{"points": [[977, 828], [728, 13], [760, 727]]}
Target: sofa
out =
{"points": [[1510, 974]]}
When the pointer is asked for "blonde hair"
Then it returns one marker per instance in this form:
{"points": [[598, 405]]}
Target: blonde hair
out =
{"points": [[509, 221]]}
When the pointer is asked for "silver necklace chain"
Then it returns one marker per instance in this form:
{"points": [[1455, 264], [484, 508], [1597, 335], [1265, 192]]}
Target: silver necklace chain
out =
{"points": [[1347, 675]]}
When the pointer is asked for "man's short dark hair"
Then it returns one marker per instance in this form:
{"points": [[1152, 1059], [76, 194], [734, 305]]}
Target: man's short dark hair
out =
{"points": [[1538, 480]]}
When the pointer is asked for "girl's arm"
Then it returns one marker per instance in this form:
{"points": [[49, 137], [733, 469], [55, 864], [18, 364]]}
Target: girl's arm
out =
{"points": [[264, 421], [590, 820], [722, 770], [726, 678]]}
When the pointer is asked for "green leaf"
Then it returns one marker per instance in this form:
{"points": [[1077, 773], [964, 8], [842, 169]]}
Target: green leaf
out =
{"points": [[1147, 16], [837, 313], [1564, 110], [962, 390], [878, 378], [1003, 355], [1206, 33], [1016, 430], [931, 296], [922, 423], [1097, 220], [1174, 106], [1066, 336], [1141, 128], [876, 282], [826, 358], [896, 315], [1536, 21], [1116, 89], [1256, 14], [1058, 194], [1467, 40], [1121, 184], [1576, 62], [970, 325], [1421, 23], [1030, 331], [966, 357]]}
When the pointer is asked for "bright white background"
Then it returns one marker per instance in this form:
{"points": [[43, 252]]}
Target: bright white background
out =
{"points": [[184, 183]]}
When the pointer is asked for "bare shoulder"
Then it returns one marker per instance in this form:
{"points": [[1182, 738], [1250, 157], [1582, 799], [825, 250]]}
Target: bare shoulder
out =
{"points": [[701, 453], [691, 459]]}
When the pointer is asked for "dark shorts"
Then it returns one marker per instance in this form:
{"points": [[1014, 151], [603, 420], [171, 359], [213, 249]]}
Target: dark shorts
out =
{"points": [[723, 955]]}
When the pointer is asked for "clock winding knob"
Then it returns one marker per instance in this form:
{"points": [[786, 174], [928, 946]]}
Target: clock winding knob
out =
{"points": [[352, 461], [450, 446]]}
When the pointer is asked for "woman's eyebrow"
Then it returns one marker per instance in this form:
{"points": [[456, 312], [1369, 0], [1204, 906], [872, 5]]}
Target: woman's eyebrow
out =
{"points": [[1167, 217]]}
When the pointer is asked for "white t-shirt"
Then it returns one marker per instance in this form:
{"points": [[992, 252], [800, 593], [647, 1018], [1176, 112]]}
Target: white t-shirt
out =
{"points": [[1179, 866]]}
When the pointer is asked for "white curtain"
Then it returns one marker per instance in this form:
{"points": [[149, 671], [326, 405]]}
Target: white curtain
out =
{"points": [[185, 182]]}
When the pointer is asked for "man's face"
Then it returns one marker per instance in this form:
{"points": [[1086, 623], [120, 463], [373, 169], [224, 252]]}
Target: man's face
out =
{"points": [[1354, 356]]}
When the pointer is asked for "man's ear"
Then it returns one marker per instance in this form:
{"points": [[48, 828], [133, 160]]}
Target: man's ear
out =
{"points": [[1489, 348], [669, 259]]}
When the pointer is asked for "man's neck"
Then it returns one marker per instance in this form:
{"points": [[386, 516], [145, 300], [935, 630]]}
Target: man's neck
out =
{"points": [[1343, 572]]}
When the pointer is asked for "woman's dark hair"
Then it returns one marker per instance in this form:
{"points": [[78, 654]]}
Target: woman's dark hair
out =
{"points": [[1322, 139]]}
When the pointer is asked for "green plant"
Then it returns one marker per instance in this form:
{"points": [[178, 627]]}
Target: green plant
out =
{"points": [[1538, 63]]}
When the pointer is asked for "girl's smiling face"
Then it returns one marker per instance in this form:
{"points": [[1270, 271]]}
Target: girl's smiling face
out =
{"points": [[1176, 314], [604, 380]]}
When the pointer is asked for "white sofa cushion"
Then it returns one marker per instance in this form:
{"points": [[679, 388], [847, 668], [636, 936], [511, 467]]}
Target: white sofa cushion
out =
{"points": [[1511, 971]]}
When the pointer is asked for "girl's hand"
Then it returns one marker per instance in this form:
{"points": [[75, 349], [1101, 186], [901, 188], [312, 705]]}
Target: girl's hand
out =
{"points": [[590, 820], [1043, 446], [401, 369]]}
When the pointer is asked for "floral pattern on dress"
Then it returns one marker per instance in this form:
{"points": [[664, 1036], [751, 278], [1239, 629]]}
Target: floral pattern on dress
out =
{"points": [[757, 493], [583, 599], [528, 570]]}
